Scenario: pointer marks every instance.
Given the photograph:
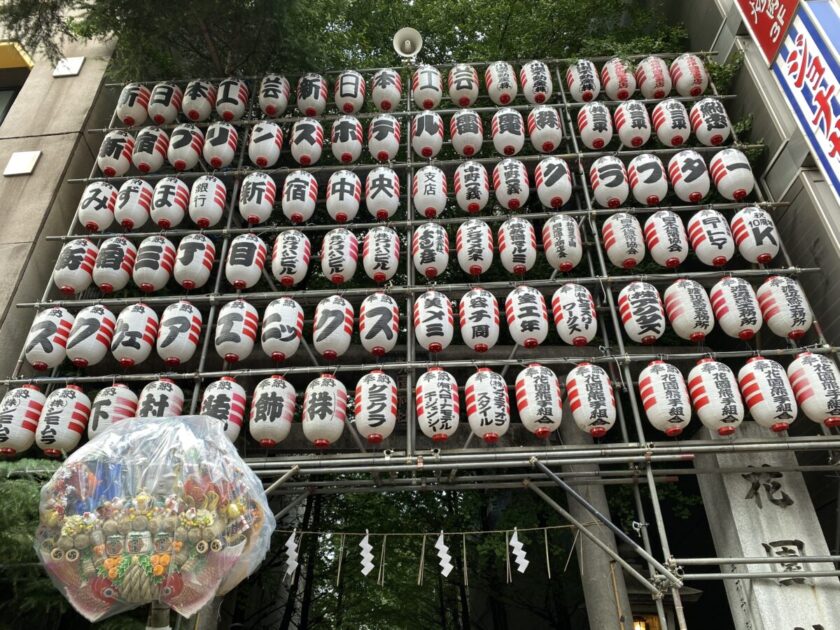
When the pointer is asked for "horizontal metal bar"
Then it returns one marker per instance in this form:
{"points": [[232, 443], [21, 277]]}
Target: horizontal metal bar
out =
{"points": [[784, 575], [798, 559]]}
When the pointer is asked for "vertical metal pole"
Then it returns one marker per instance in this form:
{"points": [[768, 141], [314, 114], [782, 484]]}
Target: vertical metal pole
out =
{"points": [[410, 407]]}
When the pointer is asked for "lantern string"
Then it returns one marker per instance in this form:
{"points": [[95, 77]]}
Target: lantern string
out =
{"points": [[547, 558], [422, 562], [340, 560], [477, 532]]}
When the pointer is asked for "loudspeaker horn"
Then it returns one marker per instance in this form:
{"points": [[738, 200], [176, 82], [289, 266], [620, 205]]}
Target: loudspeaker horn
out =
{"points": [[408, 42]]}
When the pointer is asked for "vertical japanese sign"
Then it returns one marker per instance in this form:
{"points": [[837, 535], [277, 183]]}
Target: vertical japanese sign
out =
{"points": [[768, 20]]}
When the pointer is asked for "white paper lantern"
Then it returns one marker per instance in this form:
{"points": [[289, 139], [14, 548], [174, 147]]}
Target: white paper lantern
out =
{"points": [[185, 147], [194, 261], [132, 103], [474, 245], [199, 100], [381, 253], [311, 94], [710, 238], [224, 400], [609, 182], [632, 124], [134, 203], [245, 261], [165, 103], [236, 330], [73, 272], [688, 74], [767, 393], [472, 186], [670, 121], [488, 405], [384, 135], [428, 190], [427, 87], [462, 81], [508, 131], [300, 195], [562, 243], [647, 179], [160, 399], [63, 421], [20, 411], [574, 313], [257, 196], [478, 314], [114, 157], [665, 397], [500, 79], [324, 410], [282, 329], [154, 262], [689, 176], [430, 249], [756, 235], [623, 240], [96, 207], [220, 145], [554, 182], [527, 316], [90, 337], [273, 96], [207, 200], [265, 144], [379, 323], [784, 307], [150, 149], [427, 134], [339, 255], [517, 245], [653, 78], [816, 385], [689, 310], [618, 79], [346, 139], [510, 183], [641, 312], [595, 125], [349, 91], [272, 411], [382, 192], [732, 174], [666, 239], [169, 202], [111, 406], [386, 89], [710, 122], [715, 396], [537, 85], [180, 328], [539, 400], [545, 129], [736, 308], [433, 321], [134, 335], [467, 132], [591, 399], [344, 191], [582, 81], [114, 264], [307, 141], [46, 343], [290, 257], [332, 330], [375, 406], [437, 404]]}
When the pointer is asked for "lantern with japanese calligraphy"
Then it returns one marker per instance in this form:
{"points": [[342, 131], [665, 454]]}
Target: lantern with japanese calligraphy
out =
{"points": [[755, 234], [207, 200], [427, 87], [427, 134], [767, 393], [265, 144], [46, 343], [272, 411], [381, 253], [160, 399], [379, 323], [618, 79], [437, 404], [134, 203], [474, 245], [154, 262], [282, 328], [647, 179], [666, 239], [472, 186], [715, 396], [466, 131], [332, 329], [375, 406], [623, 240], [256, 198], [428, 190], [20, 410], [641, 312], [500, 79], [478, 314], [732, 174], [150, 149], [632, 124], [689, 176], [300, 195], [134, 335], [710, 238], [517, 245], [665, 397], [488, 405], [508, 131], [689, 310], [537, 85], [562, 242], [339, 254], [384, 135], [670, 121], [290, 257], [382, 192], [653, 77], [689, 76], [169, 202], [114, 264], [349, 91], [574, 313], [545, 129], [510, 183], [344, 191], [307, 141], [165, 103], [73, 271], [63, 420], [236, 330], [90, 337], [591, 399], [114, 157], [194, 261], [736, 308], [185, 147], [220, 144], [539, 400], [131, 106], [273, 97], [710, 122], [582, 81], [816, 385], [199, 100], [433, 321], [609, 182], [224, 400], [554, 182], [595, 125], [527, 316], [180, 327], [324, 410], [312, 94], [430, 249], [346, 139], [96, 207], [463, 84], [245, 261], [785, 307], [112, 405], [386, 89]]}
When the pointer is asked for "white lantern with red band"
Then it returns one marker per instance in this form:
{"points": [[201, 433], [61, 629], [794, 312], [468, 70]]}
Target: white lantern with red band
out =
{"points": [[245, 261], [46, 343], [311, 94], [500, 79], [386, 89], [154, 262], [508, 131], [384, 135], [689, 310], [344, 192], [96, 207], [185, 147], [132, 104], [300, 196], [224, 400], [632, 124], [150, 149], [349, 91], [165, 103], [688, 74], [574, 313], [595, 125], [427, 134], [666, 239], [478, 314], [474, 245], [220, 144], [670, 121], [609, 182], [265, 144], [433, 321], [710, 238], [467, 132], [63, 420], [537, 85], [732, 174], [381, 253], [339, 255], [194, 261], [618, 79], [562, 242], [756, 235], [236, 331], [290, 256], [346, 139], [114, 158], [324, 410], [710, 122], [539, 400], [816, 385], [437, 404], [785, 307], [180, 327], [623, 240], [114, 264], [382, 192], [90, 337], [583, 81], [272, 411], [427, 87], [527, 316], [332, 329], [591, 399], [428, 190], [430, 249], [169, 202], [379, 323], [257, 196], [134, 203], [207, 200], [715, 396], [462, 81], [510, 183], [665, 397], [307, 141], [517, 245], [554, 182], [689, 176], [767, 393], [160, 399], [647, 179], [134, 335], [199, 100], [641, 312], [736, 308], [20, 411], [472, 186], [111, 405], [545, 129], [653, 77], [282, 329], [273, 97], [375, 406], [73, 272], [488, 405]]}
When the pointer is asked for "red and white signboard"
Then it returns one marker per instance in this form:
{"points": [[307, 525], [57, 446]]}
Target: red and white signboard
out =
{"points": [[768, 21]]}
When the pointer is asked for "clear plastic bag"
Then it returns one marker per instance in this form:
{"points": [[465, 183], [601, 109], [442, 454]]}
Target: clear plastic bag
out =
{"points": [[152, 509]]}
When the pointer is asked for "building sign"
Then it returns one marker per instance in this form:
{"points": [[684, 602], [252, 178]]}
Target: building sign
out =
{"points": [[768, 20]]}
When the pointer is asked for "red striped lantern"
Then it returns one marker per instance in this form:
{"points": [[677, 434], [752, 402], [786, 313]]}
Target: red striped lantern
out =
{"points": [[236, 331], [185, 147], [767, 393], [574, 313], [539, 400], [165, 103], [732, 174], [134, 335], [199, 100], [609, 182], [114, 158], [386, 89], [785, 307], [641, 312], [332, 329], [665, 397], [384, 135], [282, 329], [290, 257], [500, 79], [312, 94], [653, 77], [272, 411], [256, 199], [710, 122], [46, 343], [666, 239], [537, 85], [427, 134], [562, 242], [689, 310], [756, 235], [488, 405], [472, 186], [595, 125], [96, 207], [346, 139], [63, 420], [632, 124], [339, 255], [508, 131], [324, 411], [462, 81], [349, 91], [180, 327], [689, 176], [715, 396], [379, 323], [307, 141], [648, 180], [300, 195], [344, 192], [591, 399], [710, 238], [220, 144], [437, 404], [583, 81], [517, 246], [90, 337], [265, 144], [169, 202], [245, 261], [375, 407], [736, 308], [194, 261], [623, 240], [427, 87], [160, 399], [150, 149], [111, 405], [433, 321], [20, 411], [274, 95], [73, 272], [478, 316], [688, 73], [670, 121], [618, 79], [527, 316], [132, 104], [114, 264], [816, 384], [430, 249], [134, 203], [225, 400], [154, 262]]}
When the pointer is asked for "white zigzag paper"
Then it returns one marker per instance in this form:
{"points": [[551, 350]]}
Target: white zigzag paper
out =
{"points": [[518, 552], [445, 559], [367, 556], [291, 554]]}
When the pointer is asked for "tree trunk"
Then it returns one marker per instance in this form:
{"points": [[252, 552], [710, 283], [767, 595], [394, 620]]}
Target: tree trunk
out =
{"points": [[442, 605], [311, 557]]}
